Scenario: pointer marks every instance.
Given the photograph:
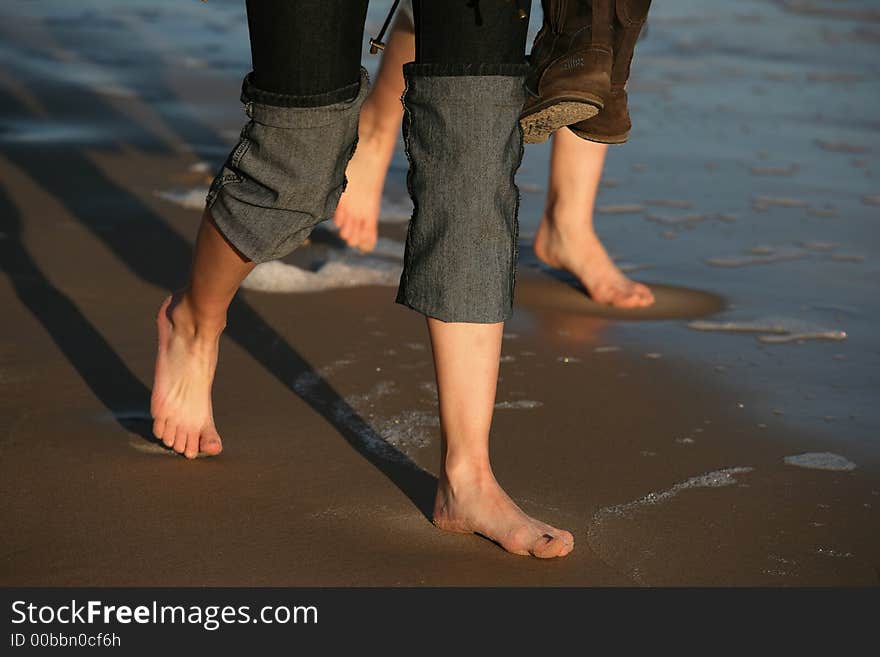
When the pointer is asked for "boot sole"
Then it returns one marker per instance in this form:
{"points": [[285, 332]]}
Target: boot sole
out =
{"points": [[601, 139], [545, 118]]}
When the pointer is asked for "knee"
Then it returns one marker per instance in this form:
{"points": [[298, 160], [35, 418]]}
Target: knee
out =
{"points": [[285, 175]]}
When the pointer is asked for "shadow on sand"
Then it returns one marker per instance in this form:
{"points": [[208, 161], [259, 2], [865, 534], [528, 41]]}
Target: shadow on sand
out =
{"points": [[158, 255]]}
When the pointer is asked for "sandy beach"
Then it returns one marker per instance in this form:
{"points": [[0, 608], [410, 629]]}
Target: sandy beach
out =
{"points": [[726, 437]]}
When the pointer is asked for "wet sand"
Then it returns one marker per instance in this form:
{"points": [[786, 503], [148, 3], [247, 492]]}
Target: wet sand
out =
{"points": [[674, 455]]}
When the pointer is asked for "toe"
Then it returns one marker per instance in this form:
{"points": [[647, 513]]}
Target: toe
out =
{"points": [[628, 298], [617, 297], [551, 545], [192, 445], [159, 427], [341, 216], [646, 297], [370, 237], [168, 434], [566, 541], [519, 541], [357, 237], [180, 440], [544, 547], [210, 442], [629, 302], [345, 229], [351, 231]]}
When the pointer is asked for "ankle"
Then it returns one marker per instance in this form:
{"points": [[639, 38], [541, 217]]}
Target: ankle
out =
{"points": [[561, 216], [377, 132], [187, 319], [462, 471]]}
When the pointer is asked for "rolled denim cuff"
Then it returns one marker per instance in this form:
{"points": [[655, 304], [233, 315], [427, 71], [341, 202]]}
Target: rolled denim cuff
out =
{"points": [[464, 146], [285, 175]]}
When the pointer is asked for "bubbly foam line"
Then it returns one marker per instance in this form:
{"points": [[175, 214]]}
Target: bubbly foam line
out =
{"points": [[765, 326], [342, 270], [337, 273], [714, 479], [800, 337], [821, 461], [766, 202], [405, 430], [785, 171], [410, 429], [683, 220], [763, 254], [608, 545], [781, 329], [760, 258], [306, 385], [519, 404], [191, 199], [842, 147]]}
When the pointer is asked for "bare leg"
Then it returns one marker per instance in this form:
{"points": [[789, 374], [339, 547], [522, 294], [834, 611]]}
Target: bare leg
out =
{"points": [[190, 323], [566, 238], [469, 499], [357, 214]]}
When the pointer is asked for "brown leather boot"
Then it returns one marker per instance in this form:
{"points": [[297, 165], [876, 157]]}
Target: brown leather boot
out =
{"points": [[571, 64], [612, 124]]}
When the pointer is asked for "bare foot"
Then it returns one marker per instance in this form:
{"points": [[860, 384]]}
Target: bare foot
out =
{"points": [[579, 251], [185, 365], [478, 505], [357, 214]]}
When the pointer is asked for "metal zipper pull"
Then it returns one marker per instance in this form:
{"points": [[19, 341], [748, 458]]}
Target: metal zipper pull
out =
{"points": [[376, 44]]}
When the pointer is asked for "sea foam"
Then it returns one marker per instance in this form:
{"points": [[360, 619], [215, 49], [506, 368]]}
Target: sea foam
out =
{"points": [[821, 461], [279, 276], [775, 329]]}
